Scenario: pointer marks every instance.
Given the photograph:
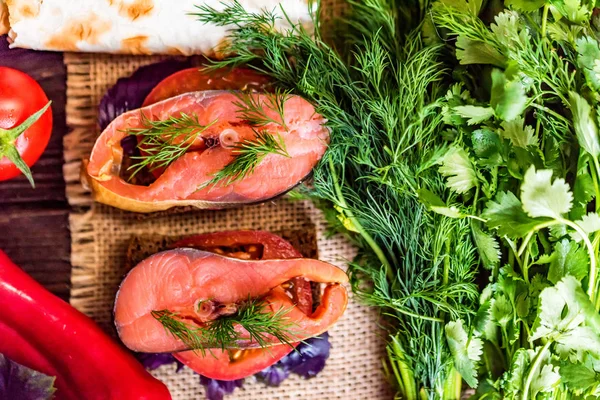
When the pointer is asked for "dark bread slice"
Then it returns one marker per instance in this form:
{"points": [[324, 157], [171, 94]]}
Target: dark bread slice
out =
{"points": [[304, 239]]}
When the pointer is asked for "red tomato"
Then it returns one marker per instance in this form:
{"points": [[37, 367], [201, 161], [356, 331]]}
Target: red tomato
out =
{"points": [[21, 97], [195, 79], [221, 364]]}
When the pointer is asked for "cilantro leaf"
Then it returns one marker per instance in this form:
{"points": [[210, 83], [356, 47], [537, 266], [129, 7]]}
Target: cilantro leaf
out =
{"points": [[508, 96], [579, 376], [470, 51], [564, 308], [541, 198], [465, 351], [513, 380], [583, 188], [590, 223], [488, 247], [457, 167], [518, 134], [506, 214], [434, 203], [545, 381], [469, 6], [506, 29], [474, 114], [585, 124], [20, 382], [525, 5], [568, 259], [588, 60], [502, 310], [573, 10]]}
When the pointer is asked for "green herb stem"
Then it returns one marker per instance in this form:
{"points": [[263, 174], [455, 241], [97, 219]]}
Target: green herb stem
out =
{"points": [[593, 272], [350, 215], [595, 172], [534, 368]]}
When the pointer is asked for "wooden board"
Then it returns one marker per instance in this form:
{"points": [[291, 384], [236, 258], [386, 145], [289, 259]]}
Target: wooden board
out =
{"points": [[34, 222]]}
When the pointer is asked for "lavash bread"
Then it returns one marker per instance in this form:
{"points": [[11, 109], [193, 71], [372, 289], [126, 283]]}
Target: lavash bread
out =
{"points": [[4, 25], [127, 26]]}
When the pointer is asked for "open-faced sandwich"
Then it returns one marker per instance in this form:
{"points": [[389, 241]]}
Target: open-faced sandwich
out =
{"points": [[206, 139], [229, 304]]}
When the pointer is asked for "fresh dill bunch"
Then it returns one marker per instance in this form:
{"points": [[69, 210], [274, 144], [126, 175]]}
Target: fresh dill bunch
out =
{"points": [[248, 154], [253, 315], [253, 110], [165, 141], [381, 95]]}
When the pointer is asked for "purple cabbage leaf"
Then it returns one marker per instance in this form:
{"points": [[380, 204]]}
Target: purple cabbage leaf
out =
{"points": [[20, 382], [129, 93]]}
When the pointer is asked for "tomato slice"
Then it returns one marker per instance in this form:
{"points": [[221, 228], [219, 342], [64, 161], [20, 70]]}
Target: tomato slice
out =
{"points": [[197, 79], [221, 365], [236, 364]]}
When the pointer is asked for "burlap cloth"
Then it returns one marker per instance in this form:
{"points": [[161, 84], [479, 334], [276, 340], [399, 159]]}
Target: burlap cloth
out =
{"points": [[100, 236]]}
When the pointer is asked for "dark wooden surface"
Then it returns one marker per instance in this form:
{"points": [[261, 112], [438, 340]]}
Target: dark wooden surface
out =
{"points": [[34, 228]]}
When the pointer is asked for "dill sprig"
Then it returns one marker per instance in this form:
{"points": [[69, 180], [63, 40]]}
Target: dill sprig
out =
{"points": [[253, 110], [252, 315], [165, 141], [248, 154]]}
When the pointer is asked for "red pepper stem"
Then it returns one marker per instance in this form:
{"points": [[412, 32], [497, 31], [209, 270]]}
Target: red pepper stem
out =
{"points": [[8, 138]]}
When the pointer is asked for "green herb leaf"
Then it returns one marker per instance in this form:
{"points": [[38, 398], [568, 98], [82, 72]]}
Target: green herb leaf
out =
{"points": [[488, 247], [514, 379], [588, 60], [474, 114], [165, 141], [564, 308], [477, 52], [590, 223], [249, 153], [502, 310], [465, 350], [585, 124], [573, 10], [506, 214], [508, 96], [459, 171], [568, 259], [518, 134], [253, 315], [525, 5], [434, 203], [578, 376], [546, 380], [543, 198]]}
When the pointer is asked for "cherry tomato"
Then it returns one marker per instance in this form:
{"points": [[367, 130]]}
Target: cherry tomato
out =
{"points": [[20, 98]]}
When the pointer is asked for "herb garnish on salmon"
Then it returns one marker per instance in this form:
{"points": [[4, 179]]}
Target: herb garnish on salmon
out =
{"points": [[252, 315]]}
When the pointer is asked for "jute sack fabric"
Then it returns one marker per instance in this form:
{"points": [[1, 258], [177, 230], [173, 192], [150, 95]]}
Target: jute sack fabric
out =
{"points": [[101, 236]]}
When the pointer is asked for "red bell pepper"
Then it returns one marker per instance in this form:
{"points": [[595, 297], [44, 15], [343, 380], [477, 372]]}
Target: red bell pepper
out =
{"points": [[43, 332]]}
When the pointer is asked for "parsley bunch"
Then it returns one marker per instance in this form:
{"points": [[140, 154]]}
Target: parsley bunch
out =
{"points": [[522, 129]]}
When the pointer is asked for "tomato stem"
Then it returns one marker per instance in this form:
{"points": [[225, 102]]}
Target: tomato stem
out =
{"points": [[8, 148]]}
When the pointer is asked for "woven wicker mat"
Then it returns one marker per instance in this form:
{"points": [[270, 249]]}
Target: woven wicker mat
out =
{"points": [[100, 236]]}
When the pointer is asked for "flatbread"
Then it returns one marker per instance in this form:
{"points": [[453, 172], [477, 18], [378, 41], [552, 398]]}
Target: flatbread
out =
{"points": [[4, 24], [129, 26]]}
